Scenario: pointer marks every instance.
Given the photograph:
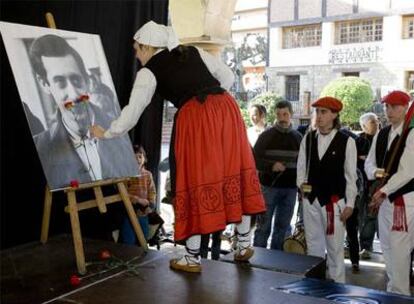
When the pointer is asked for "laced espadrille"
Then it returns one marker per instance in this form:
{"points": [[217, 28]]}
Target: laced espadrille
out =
{"points": [[187, 264], [243, 254]]}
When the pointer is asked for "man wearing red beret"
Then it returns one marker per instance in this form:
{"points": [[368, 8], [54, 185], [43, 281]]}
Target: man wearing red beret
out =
{"points": [[395, 198], [327, 178]]}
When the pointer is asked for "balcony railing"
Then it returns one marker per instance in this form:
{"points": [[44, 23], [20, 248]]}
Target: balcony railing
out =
{"points": [[300, 109]]}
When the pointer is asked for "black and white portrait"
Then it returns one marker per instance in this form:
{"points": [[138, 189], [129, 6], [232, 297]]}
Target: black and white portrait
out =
{"points": [[65, 86]]}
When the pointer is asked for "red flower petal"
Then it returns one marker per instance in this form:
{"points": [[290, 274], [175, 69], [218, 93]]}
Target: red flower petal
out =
{"points": [[74, 183], [68, 104], [84, 97], [105, 254], [75, 280]]}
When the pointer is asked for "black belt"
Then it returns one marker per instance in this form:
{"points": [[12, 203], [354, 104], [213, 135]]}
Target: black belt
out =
{"points": [[202, 94]]}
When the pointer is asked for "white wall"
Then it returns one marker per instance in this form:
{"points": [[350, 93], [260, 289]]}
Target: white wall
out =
{"points": [[247, 20], [379, 6], [242, 5], [281, 10], [402, 4], [310, 9]]}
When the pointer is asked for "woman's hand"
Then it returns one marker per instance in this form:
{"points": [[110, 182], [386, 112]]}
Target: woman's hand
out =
{"points": [[97, 131]]}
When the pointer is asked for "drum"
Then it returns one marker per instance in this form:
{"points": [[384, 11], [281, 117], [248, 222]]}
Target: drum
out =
{"points": [[296, 243]]}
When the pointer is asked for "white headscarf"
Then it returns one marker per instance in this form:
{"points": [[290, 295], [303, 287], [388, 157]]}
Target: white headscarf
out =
{"points": [[157, 35]]}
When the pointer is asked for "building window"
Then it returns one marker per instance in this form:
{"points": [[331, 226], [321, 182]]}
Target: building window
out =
{"points": [[350, 74], [357, 31], [292, 87], [302, 36], [408, 27]]}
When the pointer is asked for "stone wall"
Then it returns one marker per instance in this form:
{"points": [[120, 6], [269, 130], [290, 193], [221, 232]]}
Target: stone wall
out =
{"points": [[315, 78], [282, 10]]}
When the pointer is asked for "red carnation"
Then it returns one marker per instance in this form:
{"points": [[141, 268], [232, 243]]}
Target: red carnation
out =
{"points": [[68, 104], [105, 254], [74, 183], [84, 97], [75, 280]]}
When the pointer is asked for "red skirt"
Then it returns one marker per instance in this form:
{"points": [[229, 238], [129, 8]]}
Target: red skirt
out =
{"points": [[215, 180]]}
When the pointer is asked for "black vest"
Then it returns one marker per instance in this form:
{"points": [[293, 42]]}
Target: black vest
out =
{"points": [[383, 158], [326, 176], [182, 76]]}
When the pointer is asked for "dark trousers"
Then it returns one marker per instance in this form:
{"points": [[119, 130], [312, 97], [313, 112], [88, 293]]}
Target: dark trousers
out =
{"points": [[352, 236], [368, 226], [215, 246]]}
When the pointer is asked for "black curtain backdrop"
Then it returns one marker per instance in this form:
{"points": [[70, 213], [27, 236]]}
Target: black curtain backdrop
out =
{"points": [[22, 179]]}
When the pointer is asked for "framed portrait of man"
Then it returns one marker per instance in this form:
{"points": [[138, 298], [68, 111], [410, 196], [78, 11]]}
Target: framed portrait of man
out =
{"points": [[65, 86]]}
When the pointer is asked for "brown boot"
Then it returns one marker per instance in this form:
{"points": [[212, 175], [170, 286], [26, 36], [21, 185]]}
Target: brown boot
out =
{"points": [[186, 263], [243, 255]]}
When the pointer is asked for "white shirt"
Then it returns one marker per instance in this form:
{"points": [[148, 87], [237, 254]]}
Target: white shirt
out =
{"points": [[350, 168], [253, 134], [405, 170], [85, 147], [144, 88], [88, 153]]}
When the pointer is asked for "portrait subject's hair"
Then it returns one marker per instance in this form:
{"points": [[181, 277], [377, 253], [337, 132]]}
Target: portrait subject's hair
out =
{"points": [[52, 46]]}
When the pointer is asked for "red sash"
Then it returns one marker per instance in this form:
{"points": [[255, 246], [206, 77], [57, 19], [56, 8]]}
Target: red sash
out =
{"points": [[330, 215], [399, 222]]}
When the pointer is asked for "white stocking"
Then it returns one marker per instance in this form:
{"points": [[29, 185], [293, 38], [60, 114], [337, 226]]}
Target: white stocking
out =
{"points": [[243, 232], [192, 245]]}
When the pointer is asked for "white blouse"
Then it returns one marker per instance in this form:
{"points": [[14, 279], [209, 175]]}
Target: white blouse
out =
{"points": [[253, 134], [144, 88]]}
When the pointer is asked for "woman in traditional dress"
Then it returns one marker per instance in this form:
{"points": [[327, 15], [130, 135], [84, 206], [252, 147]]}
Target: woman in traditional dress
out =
{"points": [[213, 172]]}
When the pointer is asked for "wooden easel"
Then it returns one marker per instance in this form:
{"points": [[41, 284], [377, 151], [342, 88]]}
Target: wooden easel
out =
{"points": [[100, 201]]}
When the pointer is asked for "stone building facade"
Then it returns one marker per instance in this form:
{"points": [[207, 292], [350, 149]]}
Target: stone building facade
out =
{"points": [[312, 42]]}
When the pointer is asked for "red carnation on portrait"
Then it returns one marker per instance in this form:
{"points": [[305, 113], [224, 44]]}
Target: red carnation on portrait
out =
{"points": [[84, 98], [68, 104], [74, 183]]}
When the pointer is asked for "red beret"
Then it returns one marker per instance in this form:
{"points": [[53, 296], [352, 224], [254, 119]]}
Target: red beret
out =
{"points": [[397, 98], [328, 102]]}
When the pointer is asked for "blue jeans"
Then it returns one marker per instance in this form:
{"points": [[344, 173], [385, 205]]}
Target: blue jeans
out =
{"points": [[281, 203], [127, 231]]}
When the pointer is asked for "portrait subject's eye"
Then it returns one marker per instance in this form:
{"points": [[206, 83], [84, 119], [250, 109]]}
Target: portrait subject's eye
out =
{"points": [[60, 81], [76, 81]]}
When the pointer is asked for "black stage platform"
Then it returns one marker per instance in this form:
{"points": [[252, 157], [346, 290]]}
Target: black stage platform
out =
{"points": [[276, 260], [37, 273]]}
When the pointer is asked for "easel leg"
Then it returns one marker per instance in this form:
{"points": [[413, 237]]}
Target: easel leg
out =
{"points": [[132, 215], [76, 232], [46, 216]]}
